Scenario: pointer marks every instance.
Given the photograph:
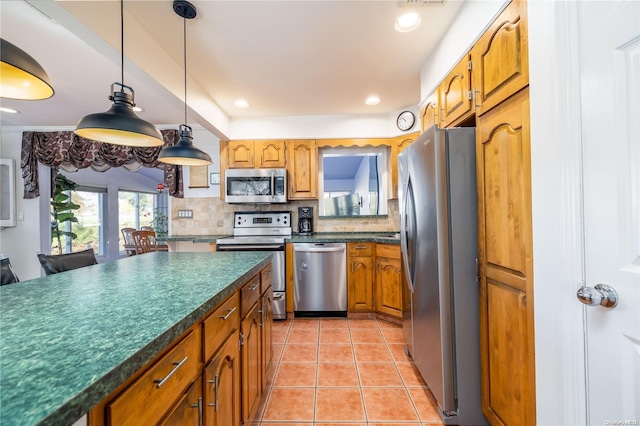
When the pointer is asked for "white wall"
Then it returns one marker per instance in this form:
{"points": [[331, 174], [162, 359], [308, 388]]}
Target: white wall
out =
{"points": [[210, 144]]}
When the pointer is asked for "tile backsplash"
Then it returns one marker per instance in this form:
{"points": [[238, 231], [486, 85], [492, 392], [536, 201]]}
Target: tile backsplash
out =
{"points": [[211, 216]]}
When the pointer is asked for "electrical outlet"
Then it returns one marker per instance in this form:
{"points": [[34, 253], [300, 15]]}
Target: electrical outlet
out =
{"points": [[185, 214]]}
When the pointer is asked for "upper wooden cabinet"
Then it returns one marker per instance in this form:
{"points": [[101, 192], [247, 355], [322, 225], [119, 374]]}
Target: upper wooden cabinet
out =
{"points": [[430, 113], [256, 154], [455, 94], [500, 58], [302, 167], [397, 146]]}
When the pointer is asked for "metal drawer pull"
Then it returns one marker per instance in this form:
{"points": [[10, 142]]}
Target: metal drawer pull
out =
{"points": [[160, 382], [255, 287], [229, 312], [278, 296], [361, 247]]}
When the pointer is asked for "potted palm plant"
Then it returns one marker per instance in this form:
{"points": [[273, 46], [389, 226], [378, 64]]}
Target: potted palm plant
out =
{"points": [[62, 210]]}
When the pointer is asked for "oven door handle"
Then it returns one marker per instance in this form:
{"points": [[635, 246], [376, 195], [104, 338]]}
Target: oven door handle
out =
{"points": [[250, 248], [273, 184]]}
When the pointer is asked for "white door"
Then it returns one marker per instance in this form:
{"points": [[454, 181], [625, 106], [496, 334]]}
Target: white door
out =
{"points": [[610, 89]]}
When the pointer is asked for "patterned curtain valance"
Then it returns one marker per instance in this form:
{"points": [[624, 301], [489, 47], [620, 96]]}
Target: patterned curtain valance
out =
{"points": [[68, 151]]}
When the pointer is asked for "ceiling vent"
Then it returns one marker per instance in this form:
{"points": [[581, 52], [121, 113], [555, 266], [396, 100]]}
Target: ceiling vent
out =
{"points": [[416, 3]]}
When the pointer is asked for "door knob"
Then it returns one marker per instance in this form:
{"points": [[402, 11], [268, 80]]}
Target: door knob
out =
{"points": [[601, 294]]}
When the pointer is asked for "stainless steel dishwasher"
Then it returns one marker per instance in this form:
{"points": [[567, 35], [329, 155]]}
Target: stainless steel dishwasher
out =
{"points": [[320, 279]]}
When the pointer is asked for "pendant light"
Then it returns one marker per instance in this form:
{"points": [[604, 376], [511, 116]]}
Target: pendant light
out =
{"points": [[21, 76], [184, 153], [120, 125]]}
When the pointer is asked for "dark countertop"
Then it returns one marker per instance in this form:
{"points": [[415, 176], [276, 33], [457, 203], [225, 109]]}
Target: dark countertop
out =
{"points": [[331, 237], [68, 340]]}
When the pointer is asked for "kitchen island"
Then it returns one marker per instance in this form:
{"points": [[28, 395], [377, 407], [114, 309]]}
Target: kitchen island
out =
{"points": [[68, 340]]}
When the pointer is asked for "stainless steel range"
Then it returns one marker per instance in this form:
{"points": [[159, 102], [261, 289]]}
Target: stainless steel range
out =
{"points": [[263, 231]]}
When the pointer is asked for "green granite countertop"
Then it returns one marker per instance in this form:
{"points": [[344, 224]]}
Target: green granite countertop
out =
{"points": [[68, 340], [347, 237], [193, 238]]}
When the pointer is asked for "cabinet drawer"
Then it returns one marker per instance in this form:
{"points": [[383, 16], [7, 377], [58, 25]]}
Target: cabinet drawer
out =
{"points": [[220, 324], [360, 249], [249, 294], [148, 398], [389, 251], [266, 278]]}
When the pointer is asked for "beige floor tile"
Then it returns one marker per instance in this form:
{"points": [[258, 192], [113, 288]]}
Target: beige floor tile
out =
{"points": [[296, 374], [335, 353], [366, 335], [334, 335], [339, 404], [300, 353], [388, 404], [367, 352], [343, 375], [302, 335], [425, 405], [410, 374], [290, 404], [378, 374]]}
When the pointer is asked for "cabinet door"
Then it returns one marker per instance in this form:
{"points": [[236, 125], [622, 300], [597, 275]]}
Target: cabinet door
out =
{"points": [[429, 113], [250, 353], [388, 286], [398, 144], [270, 154], [501, 58], [506, 264], [241, 154], [360, 284], [267, 334], [222, 386], [188, 412], [455, 94], [302, 165]]}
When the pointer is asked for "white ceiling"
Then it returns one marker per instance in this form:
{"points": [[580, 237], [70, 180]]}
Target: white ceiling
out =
{"points": [[286, 58]]}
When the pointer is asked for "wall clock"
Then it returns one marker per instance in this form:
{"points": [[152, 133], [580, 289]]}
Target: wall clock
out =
{"points": [[406, 120]]}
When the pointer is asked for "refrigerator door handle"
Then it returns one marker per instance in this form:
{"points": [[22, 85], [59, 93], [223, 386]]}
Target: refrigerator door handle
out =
{"points": [[408, 208]]}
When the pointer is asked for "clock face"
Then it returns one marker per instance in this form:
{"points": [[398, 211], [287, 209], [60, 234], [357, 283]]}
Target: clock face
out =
{"points": [[406, 120]]}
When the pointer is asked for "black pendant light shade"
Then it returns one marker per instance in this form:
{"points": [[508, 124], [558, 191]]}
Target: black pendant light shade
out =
{"points": [[21, 76], [184, 153], [119, 125]]}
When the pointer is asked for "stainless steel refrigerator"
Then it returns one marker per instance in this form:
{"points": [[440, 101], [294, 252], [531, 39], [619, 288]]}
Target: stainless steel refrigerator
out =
{"points": [[438, 224]]}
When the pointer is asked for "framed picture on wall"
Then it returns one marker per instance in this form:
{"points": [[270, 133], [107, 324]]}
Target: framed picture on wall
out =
{"points": [[7, 193]]}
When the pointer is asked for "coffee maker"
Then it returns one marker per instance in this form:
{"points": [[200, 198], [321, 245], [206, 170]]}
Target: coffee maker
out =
{"points": [[305, 220]]}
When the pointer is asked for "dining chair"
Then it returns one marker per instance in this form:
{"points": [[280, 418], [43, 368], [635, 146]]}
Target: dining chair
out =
{"points": [[129, 244], [147, 228], [144, 241], [56, 263], [7, 274]]}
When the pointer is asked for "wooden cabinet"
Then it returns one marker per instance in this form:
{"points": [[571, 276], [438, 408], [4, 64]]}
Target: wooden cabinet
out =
{"points": [[455, 94], [388, 280], [256, 154], [250, 339], [188, 412], [266, 336], [221, 399], [302, 168], [430, 112], [506, 264], [398, 145], [500, 58], [360, 276]]}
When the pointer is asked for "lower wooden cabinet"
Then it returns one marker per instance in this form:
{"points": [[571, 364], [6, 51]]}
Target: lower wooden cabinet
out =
{"points": [[221, 399], [250, 339], [360, 276], [388, 280], [188, 412], [266, 336]]}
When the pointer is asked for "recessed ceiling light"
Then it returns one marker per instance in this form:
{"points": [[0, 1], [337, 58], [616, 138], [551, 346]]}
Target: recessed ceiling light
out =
{"points": [[372, 100], [241, 103], [9, 110], [408, 22], [137, 109]]}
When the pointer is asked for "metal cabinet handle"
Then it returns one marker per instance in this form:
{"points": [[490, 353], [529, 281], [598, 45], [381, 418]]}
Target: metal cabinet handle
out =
{"points": [[255, 287], [160, 382], [601, 294], [361, 247], [199, 407], [229, 312], [278, 296], [215, 382]]}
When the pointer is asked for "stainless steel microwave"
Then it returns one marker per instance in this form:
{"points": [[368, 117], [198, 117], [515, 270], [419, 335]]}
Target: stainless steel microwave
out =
{"points": [[255, 185]]}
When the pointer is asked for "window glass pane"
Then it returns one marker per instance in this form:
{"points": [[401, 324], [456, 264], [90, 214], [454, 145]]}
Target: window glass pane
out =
{"points": [[134, 211], [145, 209]]}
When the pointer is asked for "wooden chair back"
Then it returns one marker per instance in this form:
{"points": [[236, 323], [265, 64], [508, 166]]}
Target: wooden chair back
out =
{"points": [[129, 244], [145, 241]]}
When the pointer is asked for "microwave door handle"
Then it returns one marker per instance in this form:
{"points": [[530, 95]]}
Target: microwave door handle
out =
{"points": [[273, 185]]}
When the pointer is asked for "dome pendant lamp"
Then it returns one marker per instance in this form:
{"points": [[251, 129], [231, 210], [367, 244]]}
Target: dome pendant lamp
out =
{"points": [[21, 76], [120, 125], [184, 153]]}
